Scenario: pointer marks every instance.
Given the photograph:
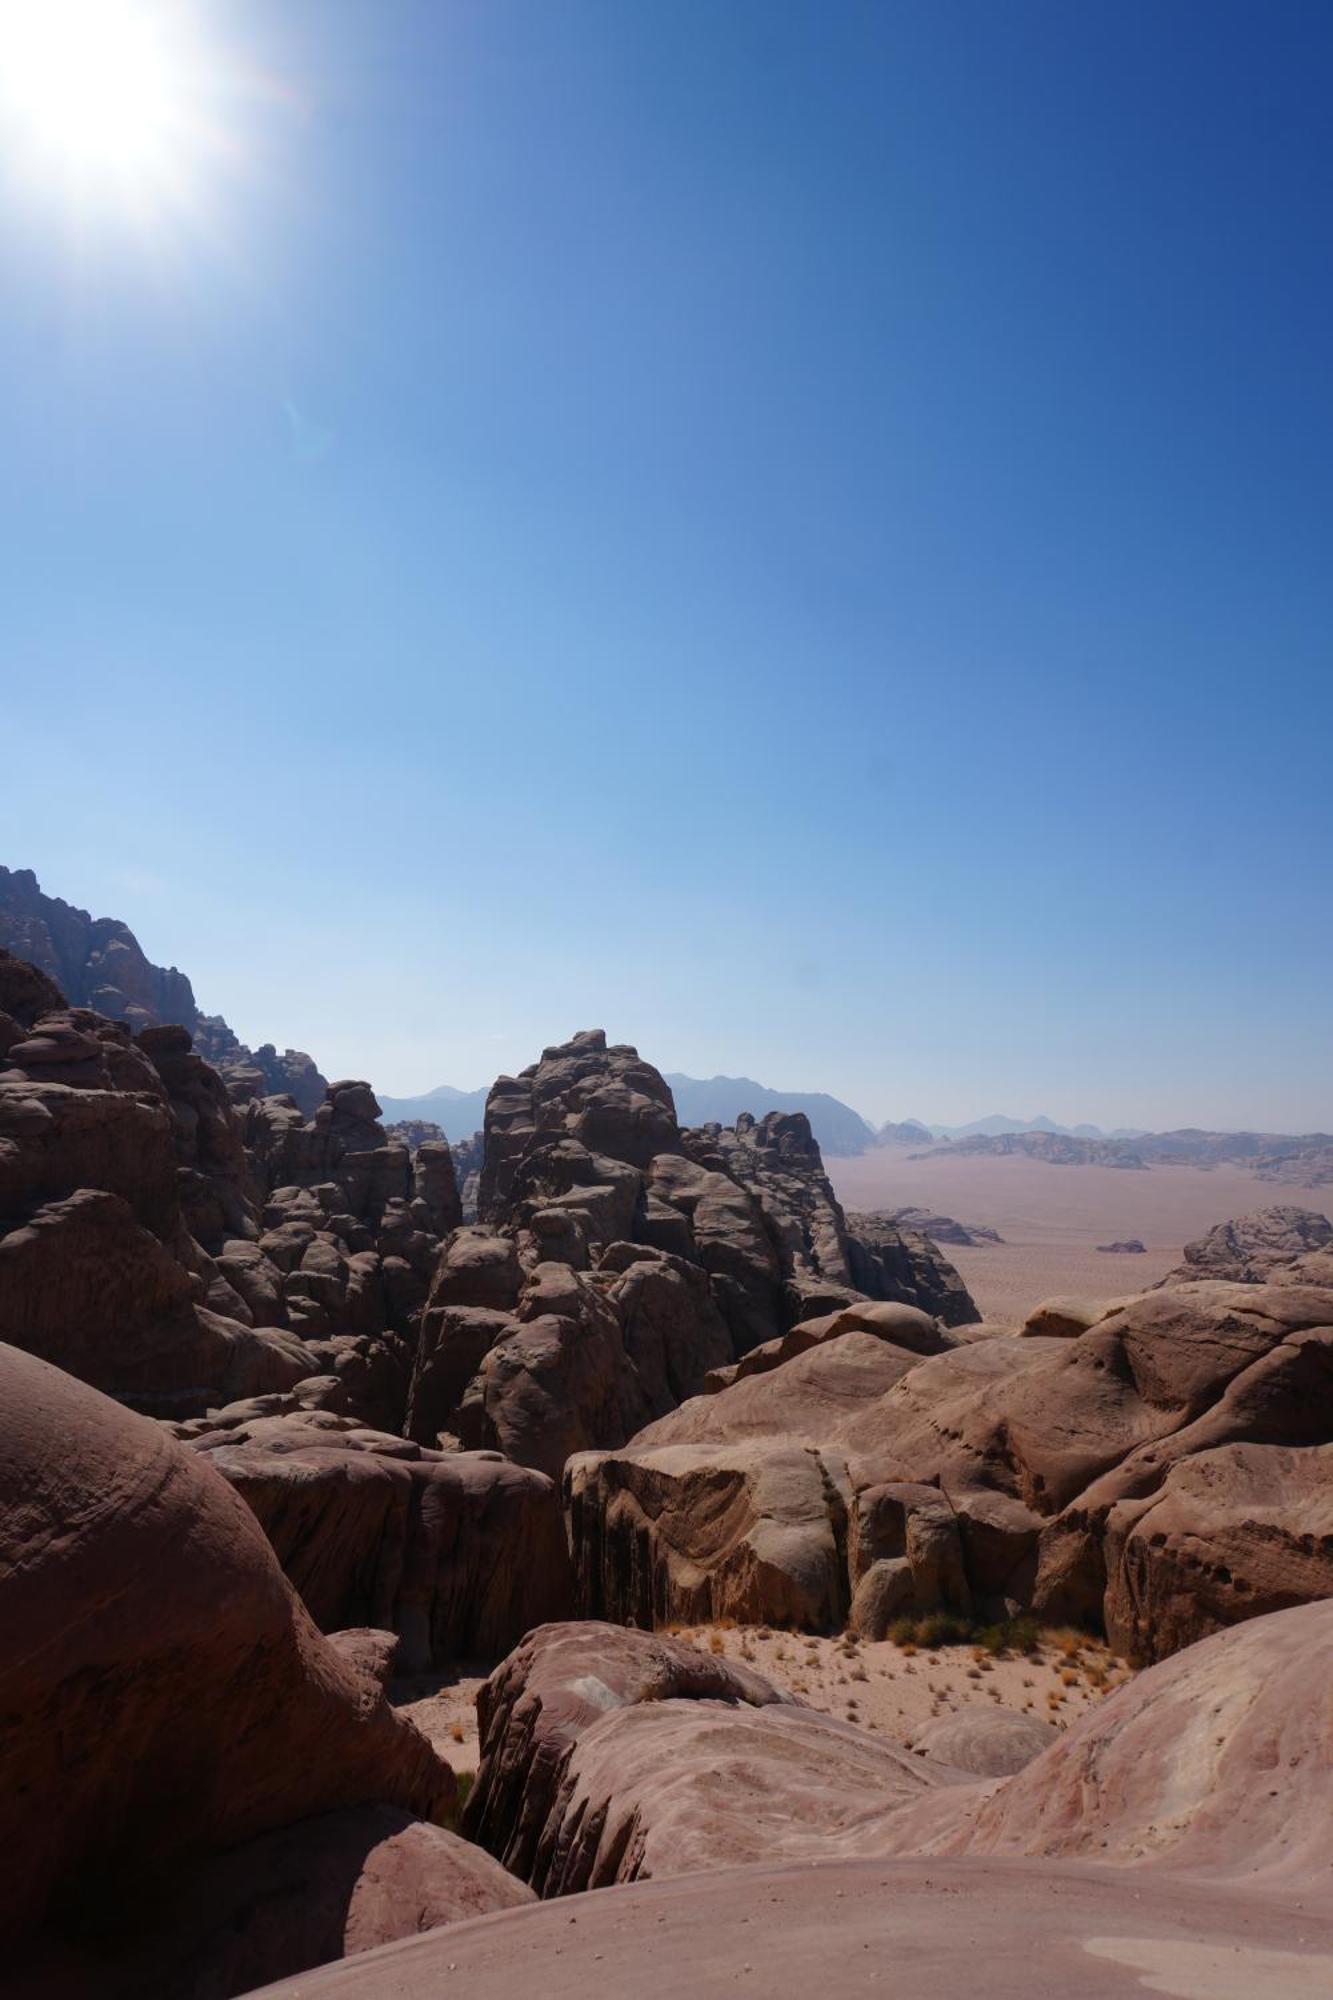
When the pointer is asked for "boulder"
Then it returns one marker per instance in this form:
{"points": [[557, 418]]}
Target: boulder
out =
{"points": [[987, 1741], [610, 1755], [163, 1693]]}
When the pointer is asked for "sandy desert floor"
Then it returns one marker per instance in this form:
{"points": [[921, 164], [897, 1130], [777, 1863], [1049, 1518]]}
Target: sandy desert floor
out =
{"points": [[884, 1687], [1053, 1218]]}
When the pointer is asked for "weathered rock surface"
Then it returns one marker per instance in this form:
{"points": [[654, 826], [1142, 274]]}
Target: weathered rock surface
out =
{"points": [[891, 1261], [1253, 1249], [1042, 1933], [1230, 1534], [1042, 1462], [163, 1694], [1217, 1762], [752, 1531], [987, 1741], [458, 1553], [610, 1755]]}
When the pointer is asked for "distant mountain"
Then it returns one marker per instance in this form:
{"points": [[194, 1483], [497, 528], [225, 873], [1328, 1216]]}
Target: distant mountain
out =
{"points": [[458, 1113], [714, 1100], [719, 1100], [997, 1127]]}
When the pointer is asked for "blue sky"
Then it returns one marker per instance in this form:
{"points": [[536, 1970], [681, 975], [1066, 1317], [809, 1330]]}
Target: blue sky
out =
{"points": [[799, 533]]}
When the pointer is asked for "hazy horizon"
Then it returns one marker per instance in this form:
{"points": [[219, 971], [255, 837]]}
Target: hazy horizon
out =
{"points": [[797, 534]]}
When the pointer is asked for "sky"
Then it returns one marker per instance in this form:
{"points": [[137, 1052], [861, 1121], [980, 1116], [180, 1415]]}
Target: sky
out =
{"points": [[797, 531]]}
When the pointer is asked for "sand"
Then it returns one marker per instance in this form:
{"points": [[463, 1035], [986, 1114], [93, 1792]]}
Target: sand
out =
{"points": [[883, 1687], [1052, 1218]]}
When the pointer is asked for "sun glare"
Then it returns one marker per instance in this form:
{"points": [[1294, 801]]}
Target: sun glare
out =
{"points": [[104, 91]]}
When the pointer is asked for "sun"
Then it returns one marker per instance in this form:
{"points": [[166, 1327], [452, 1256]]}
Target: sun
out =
{"points": [[106, 92]]}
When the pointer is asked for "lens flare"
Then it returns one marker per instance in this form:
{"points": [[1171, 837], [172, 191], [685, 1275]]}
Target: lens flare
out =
{"points": [[105, 93]]}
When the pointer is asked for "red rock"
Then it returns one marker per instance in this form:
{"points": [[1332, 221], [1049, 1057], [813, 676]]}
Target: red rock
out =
{"points": [[163, 1694]]}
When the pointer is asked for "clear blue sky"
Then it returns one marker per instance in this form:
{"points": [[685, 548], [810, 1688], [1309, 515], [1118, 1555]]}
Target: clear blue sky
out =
{"points": [[798, 531]]}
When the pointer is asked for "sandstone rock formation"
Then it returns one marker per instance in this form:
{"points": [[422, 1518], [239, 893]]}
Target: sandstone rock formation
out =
{"points": [[610, 1755], [1038, 1933], [163, 1694], [1152, 1466], [622, 1261], [1252, 1249], [459, 1554]]}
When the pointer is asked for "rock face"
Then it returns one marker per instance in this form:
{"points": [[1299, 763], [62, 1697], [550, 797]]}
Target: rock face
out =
{"points": [[95, 961], [1217, 1762], [621, 1261], [1155, 1466], [1252, 1249], [754, 1532], [163, 1694], [609, 1756], [891, 1261], [101, 1171], [459, 1554]]}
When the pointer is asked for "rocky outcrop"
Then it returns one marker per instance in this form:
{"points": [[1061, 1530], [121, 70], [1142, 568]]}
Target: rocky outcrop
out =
{"points": [[102, 1169], [95, 961], [1254, 1249], [622, 1262], [541, 1700], [1088, 1472], [750, 1531], [163, 1694], [889, 1261], [457, 1553], [1230, 1534], [942, 1228], [609, 1756]]}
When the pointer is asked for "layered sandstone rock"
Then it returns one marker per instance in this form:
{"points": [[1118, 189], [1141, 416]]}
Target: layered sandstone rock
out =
{"points": [[609, 1756], [459, 1554], [754, 1532], [1088, 1472]]}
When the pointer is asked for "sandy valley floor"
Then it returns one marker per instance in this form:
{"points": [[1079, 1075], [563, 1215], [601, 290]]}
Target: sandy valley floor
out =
{"points": [[882, 1687], [1053, 1218]]}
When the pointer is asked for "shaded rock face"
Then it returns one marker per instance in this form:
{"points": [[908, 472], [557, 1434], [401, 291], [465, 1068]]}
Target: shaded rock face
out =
{"points": [[102, 1171], [178, 1251], [330, 1887], [755, 1532], [891, 1261], [163, 1693], [458, 1553], [95, 961]]}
